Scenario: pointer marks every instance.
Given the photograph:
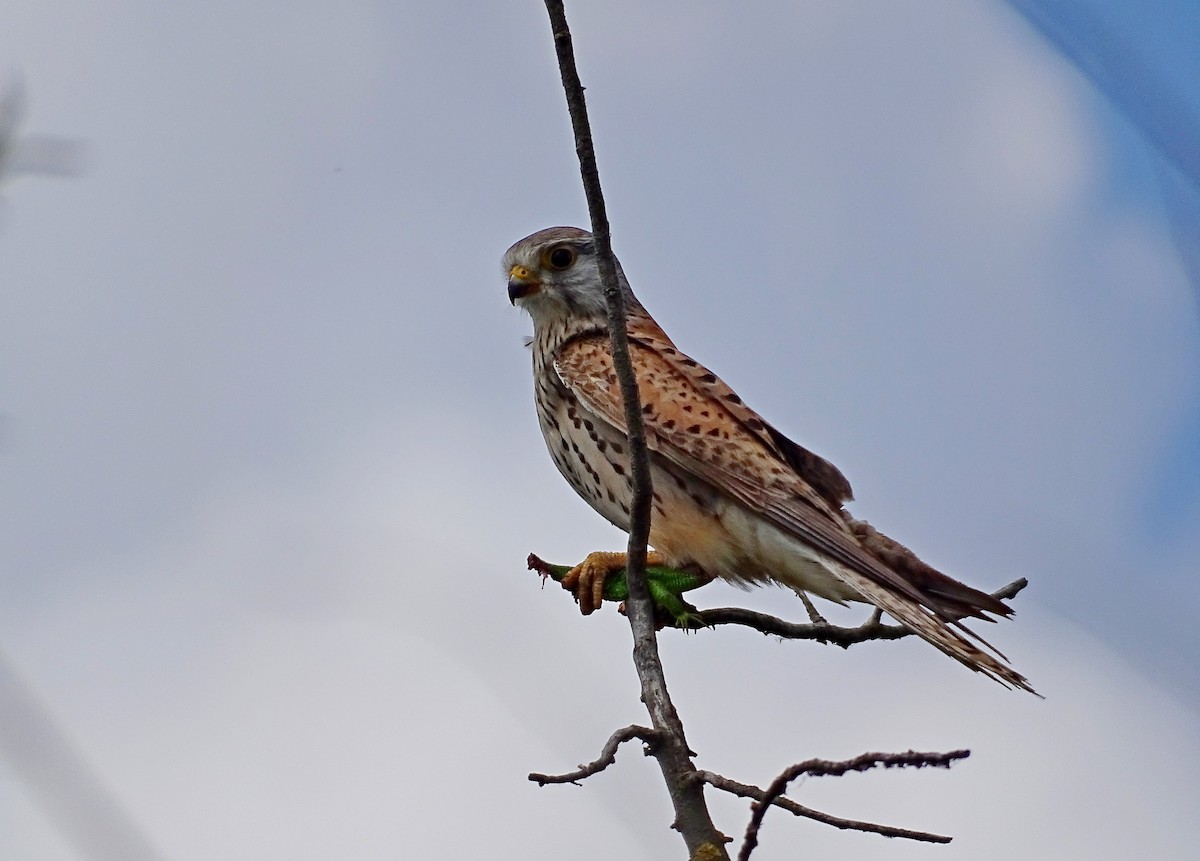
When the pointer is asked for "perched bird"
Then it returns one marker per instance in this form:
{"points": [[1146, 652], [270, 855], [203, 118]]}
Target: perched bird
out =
{"points": [[733, 497]]}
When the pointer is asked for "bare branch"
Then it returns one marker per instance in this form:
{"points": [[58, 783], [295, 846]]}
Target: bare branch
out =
{"points": [[608, 755], [639, 530], [692, 818], [872, 629], [71, 793], [822, 768], [745, 790]]}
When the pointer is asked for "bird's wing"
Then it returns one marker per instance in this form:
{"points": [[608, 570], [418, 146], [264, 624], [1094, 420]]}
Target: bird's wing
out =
{"points": [[819, 474], [690, 421]]}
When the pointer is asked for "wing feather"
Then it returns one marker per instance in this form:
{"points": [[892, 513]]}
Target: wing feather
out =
{"points": [[825, 478]]}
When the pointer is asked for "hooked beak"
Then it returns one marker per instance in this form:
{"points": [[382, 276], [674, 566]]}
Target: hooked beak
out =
{"points": [[521, 283]]}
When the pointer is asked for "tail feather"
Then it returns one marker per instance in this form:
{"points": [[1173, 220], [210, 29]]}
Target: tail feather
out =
{"points": [[948, 596], [928, 623]]}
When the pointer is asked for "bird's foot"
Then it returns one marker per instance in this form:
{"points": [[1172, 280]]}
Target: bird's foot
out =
{"points": [[586, 580]]}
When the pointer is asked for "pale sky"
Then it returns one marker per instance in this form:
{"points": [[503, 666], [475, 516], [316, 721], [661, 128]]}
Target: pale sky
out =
{"points": [[270, 468]]}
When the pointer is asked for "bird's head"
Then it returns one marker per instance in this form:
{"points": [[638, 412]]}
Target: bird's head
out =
{"points": [[554, 276]]}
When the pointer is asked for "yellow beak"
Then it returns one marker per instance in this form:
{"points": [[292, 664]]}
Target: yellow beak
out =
{"points": [[521, 283]]}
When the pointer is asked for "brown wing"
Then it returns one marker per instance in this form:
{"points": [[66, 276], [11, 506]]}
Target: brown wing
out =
{"points": [[695, 421], [821, 475]]}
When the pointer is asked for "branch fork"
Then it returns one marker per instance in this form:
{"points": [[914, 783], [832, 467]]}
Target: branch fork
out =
{"points": [[773, 795]]}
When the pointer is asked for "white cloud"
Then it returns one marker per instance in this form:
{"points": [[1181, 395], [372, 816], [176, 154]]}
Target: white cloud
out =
{"points": [[408, 679]]}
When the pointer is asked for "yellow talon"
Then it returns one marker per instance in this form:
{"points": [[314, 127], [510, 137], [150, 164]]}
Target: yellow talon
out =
{"points": [[587, 578]]}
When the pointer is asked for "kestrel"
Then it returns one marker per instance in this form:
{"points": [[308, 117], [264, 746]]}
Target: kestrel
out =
{"points": [[733, 497]]}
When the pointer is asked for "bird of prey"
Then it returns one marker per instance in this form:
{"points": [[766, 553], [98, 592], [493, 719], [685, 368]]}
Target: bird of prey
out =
{"points": [[733, 497]]}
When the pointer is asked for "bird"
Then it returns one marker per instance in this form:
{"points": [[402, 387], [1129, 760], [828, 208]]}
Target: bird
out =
{"points": [[733, 497]]}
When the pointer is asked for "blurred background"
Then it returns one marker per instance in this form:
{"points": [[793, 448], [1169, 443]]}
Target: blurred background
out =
{"points": [[269, 467]]}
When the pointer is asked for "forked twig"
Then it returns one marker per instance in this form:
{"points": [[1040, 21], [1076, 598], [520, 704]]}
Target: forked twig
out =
{"points": [[824, 632], [746, 790], [772, 795]]}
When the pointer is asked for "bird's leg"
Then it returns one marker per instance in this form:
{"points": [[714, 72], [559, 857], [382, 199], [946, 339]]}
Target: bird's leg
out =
{"points": [[814, 615], [587, 578]]}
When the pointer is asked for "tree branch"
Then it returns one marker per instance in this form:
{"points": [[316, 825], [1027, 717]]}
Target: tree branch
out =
{"points": [[608, 755], [824, 632], [745, 790], [692, 818], [822, 768]]}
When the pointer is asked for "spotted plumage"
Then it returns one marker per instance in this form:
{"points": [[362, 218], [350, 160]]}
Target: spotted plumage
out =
{"points": [[733, 497]]}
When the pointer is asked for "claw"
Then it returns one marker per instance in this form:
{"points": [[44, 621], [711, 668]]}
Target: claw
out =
{"points": [[587, 578], [591, 582]]}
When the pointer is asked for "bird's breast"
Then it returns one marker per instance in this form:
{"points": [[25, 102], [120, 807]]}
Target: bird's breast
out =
{"points": [[687, 523], [592, 455]]}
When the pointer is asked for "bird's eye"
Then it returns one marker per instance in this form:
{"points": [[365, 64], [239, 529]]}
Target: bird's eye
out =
{"points": [[561, 257]]}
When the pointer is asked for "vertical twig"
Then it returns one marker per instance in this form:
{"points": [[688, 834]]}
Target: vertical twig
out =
{"points": [[692, 819], [85, 813]]}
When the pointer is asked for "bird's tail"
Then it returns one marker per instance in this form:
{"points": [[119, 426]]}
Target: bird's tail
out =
{"points": [[936, 616], [947, 596]]}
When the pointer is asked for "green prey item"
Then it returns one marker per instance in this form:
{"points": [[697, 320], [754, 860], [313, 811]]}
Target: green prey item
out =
{"points": [[665, 585]]}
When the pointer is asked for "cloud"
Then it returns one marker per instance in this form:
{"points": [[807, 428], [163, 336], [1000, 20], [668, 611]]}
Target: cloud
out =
{"points": [[273, 468], [324, 682]]}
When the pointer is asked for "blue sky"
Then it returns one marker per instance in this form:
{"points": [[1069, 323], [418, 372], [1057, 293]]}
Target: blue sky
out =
{"points": [[1142, 58], [270, 466]]}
